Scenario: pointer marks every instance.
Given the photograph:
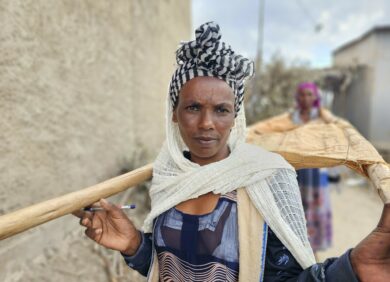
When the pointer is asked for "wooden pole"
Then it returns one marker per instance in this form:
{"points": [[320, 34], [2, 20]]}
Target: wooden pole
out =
{"points": [[26, 218], [379, 175]]}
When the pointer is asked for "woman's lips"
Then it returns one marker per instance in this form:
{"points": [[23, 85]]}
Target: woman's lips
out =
{"points": [[206, 141]]}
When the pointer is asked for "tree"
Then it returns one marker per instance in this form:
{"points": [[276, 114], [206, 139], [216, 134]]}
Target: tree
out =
{"points": [[271, 90]]}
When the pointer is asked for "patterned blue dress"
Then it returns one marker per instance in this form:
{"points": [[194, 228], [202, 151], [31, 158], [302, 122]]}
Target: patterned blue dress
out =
{"points": [[205, 248], [315, 192]]}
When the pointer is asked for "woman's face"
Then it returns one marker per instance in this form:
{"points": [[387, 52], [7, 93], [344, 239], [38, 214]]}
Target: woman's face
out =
{"points": [[306, 99], [205, 115]]}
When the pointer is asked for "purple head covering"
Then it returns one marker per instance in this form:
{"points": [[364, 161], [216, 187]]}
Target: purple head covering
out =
{"points": [[310, 86]]}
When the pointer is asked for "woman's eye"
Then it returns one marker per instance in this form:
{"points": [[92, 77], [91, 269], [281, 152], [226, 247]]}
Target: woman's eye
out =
{"points": [[222, 110], [193, 108]]}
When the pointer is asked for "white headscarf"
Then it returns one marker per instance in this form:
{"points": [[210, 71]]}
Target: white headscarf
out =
{"points": [[177, 179]]}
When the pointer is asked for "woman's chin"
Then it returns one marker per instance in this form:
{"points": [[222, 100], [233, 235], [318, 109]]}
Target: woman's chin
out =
{"points": [[203, 153]]}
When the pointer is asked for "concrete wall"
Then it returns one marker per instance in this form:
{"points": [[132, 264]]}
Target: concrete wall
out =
{"points": [[82, 95], [359, 53], [365, 104], [380, 127], [355, 105]]}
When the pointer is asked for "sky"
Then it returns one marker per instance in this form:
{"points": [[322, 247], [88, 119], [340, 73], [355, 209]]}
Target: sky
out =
{"points": [[289, 25]]}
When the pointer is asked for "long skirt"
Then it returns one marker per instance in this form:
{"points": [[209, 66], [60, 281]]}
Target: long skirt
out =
{"points": [[314, 188]]}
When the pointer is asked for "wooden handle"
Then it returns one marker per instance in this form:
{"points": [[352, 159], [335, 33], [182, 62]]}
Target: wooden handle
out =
{"points": [[26, 218], [379, 175]]}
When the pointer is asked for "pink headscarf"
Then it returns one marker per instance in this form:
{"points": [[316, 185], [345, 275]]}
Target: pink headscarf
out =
{"points": [[313, 87]]}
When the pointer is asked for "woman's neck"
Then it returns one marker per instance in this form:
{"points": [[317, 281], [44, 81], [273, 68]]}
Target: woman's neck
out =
{"points": [[224, 153], [305, 115]]}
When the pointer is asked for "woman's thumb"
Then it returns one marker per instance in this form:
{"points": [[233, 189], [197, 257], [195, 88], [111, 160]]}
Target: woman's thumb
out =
{"points": [[106, 205], [110, 208]]}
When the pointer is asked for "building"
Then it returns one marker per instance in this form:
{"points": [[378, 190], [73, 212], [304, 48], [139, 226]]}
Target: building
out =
{"points": [[366, 101]]}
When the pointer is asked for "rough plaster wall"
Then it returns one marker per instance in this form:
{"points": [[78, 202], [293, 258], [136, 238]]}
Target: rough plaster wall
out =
{"points": [[82, 93]]}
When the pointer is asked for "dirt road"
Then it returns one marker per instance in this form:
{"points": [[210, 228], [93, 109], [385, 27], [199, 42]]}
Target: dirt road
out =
{"points": [[356, 211]]}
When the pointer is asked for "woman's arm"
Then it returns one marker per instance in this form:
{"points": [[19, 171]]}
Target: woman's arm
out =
{"points": [[368, 261], [282, 266], [141, 260]]}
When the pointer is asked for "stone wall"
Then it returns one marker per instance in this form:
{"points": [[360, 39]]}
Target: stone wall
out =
{"points": [[82, 96]]}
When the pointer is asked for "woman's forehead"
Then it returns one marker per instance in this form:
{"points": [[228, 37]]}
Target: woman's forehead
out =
{"points": [[206, 87], [306, 91]]}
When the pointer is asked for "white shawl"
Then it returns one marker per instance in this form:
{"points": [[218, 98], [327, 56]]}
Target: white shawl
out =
{"points": [[176, 179]]}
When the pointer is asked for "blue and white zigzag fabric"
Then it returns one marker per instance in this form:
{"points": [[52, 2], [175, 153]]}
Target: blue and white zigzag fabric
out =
{"points": [[208, 56]]}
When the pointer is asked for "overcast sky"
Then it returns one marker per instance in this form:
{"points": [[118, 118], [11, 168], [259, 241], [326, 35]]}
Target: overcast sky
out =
{"points": [[289, 25]]}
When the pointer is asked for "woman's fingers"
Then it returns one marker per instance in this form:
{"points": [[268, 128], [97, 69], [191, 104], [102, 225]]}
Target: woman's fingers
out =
{"points": [[107, 206], [88, 215], [86, 222], [93, 233], [78, 213], [86, 218], [112, 210], [104, 224], [81, 213]]}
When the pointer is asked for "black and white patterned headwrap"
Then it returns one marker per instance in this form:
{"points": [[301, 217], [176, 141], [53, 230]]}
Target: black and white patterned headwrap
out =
{"points": [[208, 56]]}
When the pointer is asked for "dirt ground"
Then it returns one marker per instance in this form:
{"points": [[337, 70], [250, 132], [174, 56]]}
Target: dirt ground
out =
{"points": [[356, 211]]}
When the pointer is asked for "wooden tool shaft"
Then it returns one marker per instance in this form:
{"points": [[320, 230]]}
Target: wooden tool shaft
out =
{"points": [[26, 218]]}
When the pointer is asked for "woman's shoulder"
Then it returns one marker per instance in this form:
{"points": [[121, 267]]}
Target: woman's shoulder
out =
{"points": [[259, 151], [283, 177], [265, 158]]}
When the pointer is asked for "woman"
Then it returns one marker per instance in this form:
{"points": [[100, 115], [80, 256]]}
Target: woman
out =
{"points": [[313, 183], [222, 210]]}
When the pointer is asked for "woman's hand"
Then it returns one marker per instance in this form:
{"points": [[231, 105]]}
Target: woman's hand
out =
{"points": [[370, 259], [111, 228]]}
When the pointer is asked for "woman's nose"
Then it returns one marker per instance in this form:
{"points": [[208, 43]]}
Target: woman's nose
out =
{"points": [[206, 121]]}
